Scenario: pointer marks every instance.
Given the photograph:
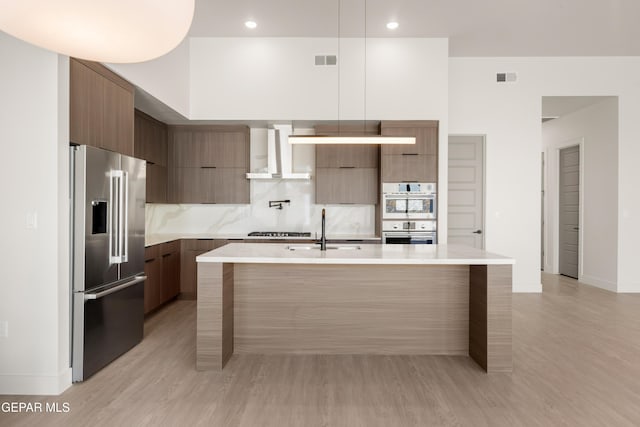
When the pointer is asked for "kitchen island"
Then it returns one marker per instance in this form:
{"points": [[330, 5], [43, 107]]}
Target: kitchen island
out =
{"points": [[367, 299]]}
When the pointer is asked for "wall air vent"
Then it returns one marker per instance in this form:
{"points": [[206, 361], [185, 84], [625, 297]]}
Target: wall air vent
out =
{"points": [[506, 77], [324, 60]]}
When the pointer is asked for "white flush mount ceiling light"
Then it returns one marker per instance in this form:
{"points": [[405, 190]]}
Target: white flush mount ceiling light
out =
{"points": [[392, 25], [117, 31], [251, 24]]}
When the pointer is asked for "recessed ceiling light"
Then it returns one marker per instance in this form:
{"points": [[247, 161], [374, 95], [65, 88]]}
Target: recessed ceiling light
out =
{"points": [[251, 24], [392, 25]]}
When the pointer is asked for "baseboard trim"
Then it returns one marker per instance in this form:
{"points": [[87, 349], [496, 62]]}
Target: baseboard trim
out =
{"points": [[629, 288], [598, 283], [24, 384], [527, 288]]}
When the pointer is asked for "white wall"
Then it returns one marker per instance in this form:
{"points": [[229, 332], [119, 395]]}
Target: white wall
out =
{"points": [[509, 114], [166, 78], [597, 126], [34, 295]]}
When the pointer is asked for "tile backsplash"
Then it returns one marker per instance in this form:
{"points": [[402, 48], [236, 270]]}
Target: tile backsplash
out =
{"points": [[302, 214]]}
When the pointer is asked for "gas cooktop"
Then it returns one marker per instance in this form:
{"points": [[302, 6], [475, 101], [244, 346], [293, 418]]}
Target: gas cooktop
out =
{"points": [[279, 234]]}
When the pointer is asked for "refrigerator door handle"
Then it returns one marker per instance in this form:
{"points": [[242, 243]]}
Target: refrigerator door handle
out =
{"points": [[124, 218], [109, 291], [113, 235], [117, 225]]}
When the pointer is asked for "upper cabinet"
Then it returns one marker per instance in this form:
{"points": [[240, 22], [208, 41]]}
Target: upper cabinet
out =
{"points": [[101, 108], [411, 162], [347, 173], [210, 146], [151, 145], [208, 164]]}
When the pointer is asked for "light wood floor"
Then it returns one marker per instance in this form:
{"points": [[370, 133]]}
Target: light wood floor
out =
{"points": [[576, 362]]}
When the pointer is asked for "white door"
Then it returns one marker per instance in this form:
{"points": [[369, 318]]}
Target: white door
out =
{"points": [[569, 210], [466, 190]]}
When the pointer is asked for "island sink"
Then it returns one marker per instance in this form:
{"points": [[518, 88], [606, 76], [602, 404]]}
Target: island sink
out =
{"points": [[328, 247]]}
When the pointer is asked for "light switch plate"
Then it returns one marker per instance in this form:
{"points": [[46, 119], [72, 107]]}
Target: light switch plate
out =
{"points": [[4, 329], [32, 220]]}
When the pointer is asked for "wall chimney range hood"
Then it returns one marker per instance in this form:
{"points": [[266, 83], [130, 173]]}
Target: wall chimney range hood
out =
{"points": [[279, 156]]}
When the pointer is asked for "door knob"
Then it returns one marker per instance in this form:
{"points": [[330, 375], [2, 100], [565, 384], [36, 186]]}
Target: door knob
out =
{"points": [[477, 232], [576, 228]]}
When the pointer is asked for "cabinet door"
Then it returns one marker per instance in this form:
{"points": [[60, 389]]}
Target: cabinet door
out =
{"points": [[156, 183], [347, 186], [153, 284], [192, 185], [347, 155], [183, 148], [118, 119], [425, 132], [409, 168], [225, 149], [230, 185], [209, 146], [170, 276], [86, 107], [150, 139]]}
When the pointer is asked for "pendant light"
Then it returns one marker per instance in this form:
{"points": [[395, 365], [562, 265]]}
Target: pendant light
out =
{"points": [[117, 31], [370, 139]]}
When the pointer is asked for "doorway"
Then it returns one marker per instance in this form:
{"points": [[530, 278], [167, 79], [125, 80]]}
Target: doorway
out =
{"points": [[466, 190], [569, 210]]}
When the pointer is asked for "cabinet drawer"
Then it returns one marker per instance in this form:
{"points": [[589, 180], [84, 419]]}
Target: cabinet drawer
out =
{"points": [[151, 252], [413, 168], [170, 247]]}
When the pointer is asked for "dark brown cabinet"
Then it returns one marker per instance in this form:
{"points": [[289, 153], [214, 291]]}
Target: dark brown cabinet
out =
{"points": [[151, 145], [162, 268], [170, 253], [101, 107], [153, 284], [347, 173], [412, 162], [208, 164]]}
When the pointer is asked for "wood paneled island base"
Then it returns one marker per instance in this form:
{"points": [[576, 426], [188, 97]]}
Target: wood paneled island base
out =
{"points": [[353, 308]]}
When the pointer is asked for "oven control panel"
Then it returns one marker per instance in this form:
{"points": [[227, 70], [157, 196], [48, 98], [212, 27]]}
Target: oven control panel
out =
{"points": [[409, 226]]}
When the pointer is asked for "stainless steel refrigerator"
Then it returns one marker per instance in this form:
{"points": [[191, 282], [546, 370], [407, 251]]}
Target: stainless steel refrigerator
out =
{"points": [[108, 202]]}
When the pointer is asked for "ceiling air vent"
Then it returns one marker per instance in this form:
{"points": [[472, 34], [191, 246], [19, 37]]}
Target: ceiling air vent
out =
{"points": [[324, 60], [506, 77]]}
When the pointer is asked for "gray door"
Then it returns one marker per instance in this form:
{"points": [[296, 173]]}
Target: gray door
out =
{"points": [[466, 191], [569, 210], [134, 179]]}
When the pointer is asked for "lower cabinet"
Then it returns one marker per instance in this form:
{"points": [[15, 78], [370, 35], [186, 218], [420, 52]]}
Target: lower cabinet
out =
{"points": [[153, 271], [162, 268]]}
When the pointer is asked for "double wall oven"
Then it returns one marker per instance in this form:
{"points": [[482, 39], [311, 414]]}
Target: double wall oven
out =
{"points": [[409, 213]]}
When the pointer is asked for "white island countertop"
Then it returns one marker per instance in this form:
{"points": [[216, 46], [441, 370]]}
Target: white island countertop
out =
{"points": [[279, 253]]}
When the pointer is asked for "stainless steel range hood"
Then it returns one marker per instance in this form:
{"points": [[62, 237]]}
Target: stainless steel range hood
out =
{"points": [[279, 156]]}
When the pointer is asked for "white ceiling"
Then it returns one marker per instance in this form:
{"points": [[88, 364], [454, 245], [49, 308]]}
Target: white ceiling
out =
{"points": [[474, 27], [558, 106]]}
